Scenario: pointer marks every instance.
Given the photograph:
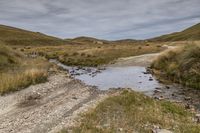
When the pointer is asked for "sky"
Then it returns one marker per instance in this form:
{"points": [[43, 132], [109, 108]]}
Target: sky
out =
{"points": [[104, 19]]}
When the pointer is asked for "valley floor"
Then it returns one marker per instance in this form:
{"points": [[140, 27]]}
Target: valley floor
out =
{"points": [[58, 103]]}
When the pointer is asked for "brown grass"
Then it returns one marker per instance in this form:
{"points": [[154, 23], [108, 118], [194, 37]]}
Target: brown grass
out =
{"points": [[18, 71], [134, 112], [10, 82], [181, 65], [93, 54]]}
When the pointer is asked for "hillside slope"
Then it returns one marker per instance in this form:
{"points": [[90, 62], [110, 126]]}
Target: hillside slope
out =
{"points": [[15, 36], [180, 66], [191, 34]]}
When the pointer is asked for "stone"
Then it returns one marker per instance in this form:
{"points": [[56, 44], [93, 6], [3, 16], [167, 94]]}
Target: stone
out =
{"points": [[150, 79], [162, 131], [157, 91], [167, 87], [187, 98], [197, 118]]}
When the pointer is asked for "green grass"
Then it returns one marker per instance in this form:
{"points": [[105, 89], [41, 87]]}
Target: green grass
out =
{"points": [[192, 33], [181, 66], [133, 112]]}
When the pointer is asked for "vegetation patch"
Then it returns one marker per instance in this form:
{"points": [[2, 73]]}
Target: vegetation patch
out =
{"points": [[134, 112], [18, 71], [90, 54], [181, 66]]}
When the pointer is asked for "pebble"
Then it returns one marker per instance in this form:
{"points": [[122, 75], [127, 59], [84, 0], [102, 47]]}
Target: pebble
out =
{"points": [[162, 131], [198, 118], [187, 98], [167, 87]]}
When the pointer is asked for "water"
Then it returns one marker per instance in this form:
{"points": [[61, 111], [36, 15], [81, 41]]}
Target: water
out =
{"points": [[114, 77]]}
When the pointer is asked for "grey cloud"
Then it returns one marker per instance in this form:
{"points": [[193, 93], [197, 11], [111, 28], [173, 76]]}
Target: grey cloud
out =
{"points": [[108, 19]]}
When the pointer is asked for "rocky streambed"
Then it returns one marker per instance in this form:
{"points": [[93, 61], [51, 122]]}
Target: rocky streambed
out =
{"points": [[132, 73]]}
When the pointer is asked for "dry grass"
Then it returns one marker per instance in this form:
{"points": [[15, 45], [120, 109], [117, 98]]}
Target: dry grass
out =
{"points": [[89, 54], [18, 71], [10, 82], [134, 112], [181, 65]]}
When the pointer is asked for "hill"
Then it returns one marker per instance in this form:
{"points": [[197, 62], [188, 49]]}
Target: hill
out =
{"points": [[191, 34], [15, 36], [88, 40]]}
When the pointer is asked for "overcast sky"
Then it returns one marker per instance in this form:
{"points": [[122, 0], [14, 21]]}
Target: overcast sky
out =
{"points": [[106, 19]]}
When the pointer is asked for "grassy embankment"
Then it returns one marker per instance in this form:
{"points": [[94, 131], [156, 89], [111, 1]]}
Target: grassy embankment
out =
{"points": [[181, 65], [92, 54], [18, 71], [134, 112]]}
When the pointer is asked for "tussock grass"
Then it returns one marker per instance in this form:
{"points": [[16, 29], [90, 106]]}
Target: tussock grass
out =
{"points": [[134, 112], [8, 57], [181, 65], [10, 82], [18, 71], [90, 54]]}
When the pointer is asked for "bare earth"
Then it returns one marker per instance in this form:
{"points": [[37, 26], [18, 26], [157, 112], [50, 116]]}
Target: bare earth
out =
{"points": [[47, 107]]}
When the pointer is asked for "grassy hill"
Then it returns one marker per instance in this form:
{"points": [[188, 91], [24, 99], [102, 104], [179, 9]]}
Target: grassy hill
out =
{"points": [[88, 40], [190, 34], [15, 36]]}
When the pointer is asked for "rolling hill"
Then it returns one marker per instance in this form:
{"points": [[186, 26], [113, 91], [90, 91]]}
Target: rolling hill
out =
{"points": [[192, 33], [14, 36]]}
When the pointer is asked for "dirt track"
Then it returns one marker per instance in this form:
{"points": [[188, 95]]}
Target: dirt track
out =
{"points": [[141, 60], [47, 107]]}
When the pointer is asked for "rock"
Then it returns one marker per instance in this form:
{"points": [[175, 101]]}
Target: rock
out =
{"points": [[150, 79], [75, 98], [159, 98], [197, 116], [162, 131], [120, 129], [188, 106], [147, 72], [157, 88], [157, 91], [187, 98], [167, 87]]}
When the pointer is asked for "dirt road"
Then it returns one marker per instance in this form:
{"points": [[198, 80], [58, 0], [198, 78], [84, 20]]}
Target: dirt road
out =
{"points": [[47, 107], [141, 60]]}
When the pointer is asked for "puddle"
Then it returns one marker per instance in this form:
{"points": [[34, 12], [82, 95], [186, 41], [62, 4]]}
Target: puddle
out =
{"points": [[114, 77], [133, 77]]}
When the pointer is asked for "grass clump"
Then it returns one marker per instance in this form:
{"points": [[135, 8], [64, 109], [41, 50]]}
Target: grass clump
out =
{"points": [[181, 66], [133, 112], [10, 82], [18, 71]]}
